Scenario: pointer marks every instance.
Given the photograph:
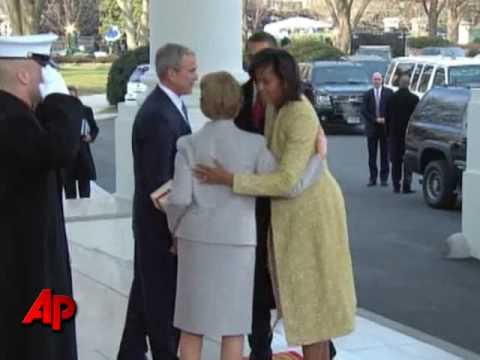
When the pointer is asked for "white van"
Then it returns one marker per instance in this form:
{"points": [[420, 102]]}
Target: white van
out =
{"points": [[430, 71]]}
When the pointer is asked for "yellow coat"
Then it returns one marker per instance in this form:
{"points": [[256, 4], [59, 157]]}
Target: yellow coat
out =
{"points": [[310, 255]]}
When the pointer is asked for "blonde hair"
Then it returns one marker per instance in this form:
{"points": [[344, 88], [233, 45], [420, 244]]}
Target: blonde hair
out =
{"points": [[221, 96]]}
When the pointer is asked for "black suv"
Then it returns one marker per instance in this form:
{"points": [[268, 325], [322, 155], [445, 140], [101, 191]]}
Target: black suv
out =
{"points": [[436, 144], [338, 88]]}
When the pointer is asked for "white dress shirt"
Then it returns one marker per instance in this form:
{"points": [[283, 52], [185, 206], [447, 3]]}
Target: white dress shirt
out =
{"points": [[177, 101]]}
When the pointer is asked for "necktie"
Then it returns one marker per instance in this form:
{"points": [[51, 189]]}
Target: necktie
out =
{"points": [[258, 113], [185, 113], [377, 102]]}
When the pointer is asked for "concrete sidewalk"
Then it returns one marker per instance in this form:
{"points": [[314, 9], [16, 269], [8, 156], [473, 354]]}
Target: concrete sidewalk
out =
{"points": [[101, 245], [102, 312]]}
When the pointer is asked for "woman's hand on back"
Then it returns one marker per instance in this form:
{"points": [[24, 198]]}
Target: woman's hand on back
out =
{"points": [[213, 175]]}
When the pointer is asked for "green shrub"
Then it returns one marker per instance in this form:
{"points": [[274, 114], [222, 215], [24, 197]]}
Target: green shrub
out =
{"points": [[311, 48], [121, 70], [425, 41], [87, 59]]}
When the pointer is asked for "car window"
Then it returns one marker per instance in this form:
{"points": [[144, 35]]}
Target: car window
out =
{"points": [[439, 79], [468, 75], [416, 77], [389, 73], [402, 69], [339, 75], [139, 73], [372, 67], [442, 106], [425, 110], [425, 79]]}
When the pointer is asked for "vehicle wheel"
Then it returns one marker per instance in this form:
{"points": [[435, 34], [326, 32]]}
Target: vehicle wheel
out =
{"points": [[439, 185]]}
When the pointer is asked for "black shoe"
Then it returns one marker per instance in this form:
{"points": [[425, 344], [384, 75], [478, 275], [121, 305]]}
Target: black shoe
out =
{"points": [[408, 191], [372, 183], [384, 183], [396, 190]]}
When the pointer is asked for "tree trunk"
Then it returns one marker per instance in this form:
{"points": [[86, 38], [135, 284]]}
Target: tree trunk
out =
{"points": [[13, 8], [361, 10], [433, 24], [143, 33], [453, 24], [130, 30], [344, 33], [433, 12]]}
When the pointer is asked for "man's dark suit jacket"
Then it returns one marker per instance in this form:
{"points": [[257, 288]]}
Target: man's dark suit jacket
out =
{"points": [[83, 167], [372, 128], [156, 129], [399, 109]]}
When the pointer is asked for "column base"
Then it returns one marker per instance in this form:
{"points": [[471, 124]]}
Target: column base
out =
{"points": [[123, 150], [471, 209], [457, 247]]}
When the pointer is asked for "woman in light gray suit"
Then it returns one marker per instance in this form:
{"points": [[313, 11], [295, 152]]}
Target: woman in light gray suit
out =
{"points": [[215, 228]]}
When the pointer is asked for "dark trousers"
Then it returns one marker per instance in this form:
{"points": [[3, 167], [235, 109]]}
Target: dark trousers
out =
{"points": [[373, 144], [263, 300], [152, 296], [71, 188], [397, 151]]}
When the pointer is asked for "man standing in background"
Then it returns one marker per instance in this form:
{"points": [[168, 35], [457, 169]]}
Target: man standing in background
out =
{"points": [[82, 170], [373, 112], [400, 108]]}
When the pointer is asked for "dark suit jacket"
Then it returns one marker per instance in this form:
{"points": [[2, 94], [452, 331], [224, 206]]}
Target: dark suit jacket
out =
{"points": [[83, 166], [372, 128], [244, 119], [156, 129], [400, 108]]}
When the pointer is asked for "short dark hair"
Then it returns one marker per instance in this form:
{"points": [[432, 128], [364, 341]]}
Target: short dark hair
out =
{"points": [[285, 68], [263, 36]]}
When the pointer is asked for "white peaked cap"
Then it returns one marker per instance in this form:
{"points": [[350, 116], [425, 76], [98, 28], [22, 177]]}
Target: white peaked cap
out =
{"points": [[26, 46]]}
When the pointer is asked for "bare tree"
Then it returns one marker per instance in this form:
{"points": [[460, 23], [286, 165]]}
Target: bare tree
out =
{"points": [[24, 15], [254, 12], [456, 11], [126, 6], [143, 26], [79, 14], [346, 17], [433, 9]]}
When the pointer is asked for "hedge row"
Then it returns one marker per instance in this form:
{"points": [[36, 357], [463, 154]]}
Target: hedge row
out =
{"points": [[85, 59], [425, 41], [307, 48]]}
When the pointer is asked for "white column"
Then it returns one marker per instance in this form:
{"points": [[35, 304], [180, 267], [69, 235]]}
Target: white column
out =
{"points": [[471, 178], [212, 29]]}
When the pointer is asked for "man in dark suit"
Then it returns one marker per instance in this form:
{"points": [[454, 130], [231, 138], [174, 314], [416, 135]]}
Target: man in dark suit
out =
{"points": [[400, 108], [373, 111], [82, 168], [161, 120], [252, 119]]}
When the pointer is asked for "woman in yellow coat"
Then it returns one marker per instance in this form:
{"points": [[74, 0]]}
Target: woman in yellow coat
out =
{"points": [[309, 251]]}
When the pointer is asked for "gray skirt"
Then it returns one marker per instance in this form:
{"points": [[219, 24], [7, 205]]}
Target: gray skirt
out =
{"points": [[214, 288]]}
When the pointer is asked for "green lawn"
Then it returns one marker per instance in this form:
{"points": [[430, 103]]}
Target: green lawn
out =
{"points": [[88, 78]]}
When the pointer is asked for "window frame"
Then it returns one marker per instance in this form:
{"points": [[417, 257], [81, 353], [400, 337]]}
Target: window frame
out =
{"points": [[428, 84]]}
